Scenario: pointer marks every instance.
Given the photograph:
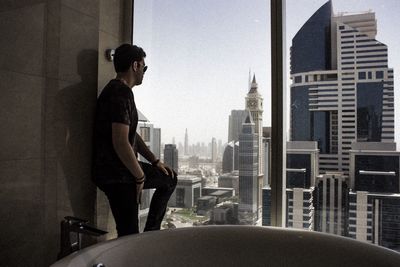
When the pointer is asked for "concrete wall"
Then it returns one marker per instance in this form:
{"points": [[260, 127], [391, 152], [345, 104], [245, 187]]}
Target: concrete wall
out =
{"points": [[51, 66]]}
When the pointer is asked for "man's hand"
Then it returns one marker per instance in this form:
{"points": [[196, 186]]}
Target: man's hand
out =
{"points": [[165, 169], [139, 190]]}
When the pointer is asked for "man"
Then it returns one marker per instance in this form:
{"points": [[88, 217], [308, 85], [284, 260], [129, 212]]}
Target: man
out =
{"points": [[117, 170]]}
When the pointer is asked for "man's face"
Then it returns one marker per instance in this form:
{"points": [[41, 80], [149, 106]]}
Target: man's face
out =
{"points": [[140, 70]]}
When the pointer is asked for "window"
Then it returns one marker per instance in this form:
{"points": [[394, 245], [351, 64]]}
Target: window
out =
{"points": [[379, 74], [365, 108], [317, 113], [369, 111], [194, 84]]}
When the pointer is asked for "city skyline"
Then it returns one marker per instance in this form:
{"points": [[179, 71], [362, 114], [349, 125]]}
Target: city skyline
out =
{"points": [[342, 167], [199, 68]]}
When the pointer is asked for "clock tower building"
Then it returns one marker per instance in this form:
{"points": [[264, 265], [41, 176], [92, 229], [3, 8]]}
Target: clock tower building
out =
{"points": [[254, 104]]}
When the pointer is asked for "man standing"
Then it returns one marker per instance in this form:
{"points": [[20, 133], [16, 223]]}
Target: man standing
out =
{"points": [[116, 169]]}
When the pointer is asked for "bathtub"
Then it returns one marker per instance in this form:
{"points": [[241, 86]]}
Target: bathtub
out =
{"points": [[232, 246]]}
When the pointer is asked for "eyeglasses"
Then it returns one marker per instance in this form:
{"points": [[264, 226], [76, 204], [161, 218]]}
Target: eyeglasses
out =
{"points": [[144, 68]]}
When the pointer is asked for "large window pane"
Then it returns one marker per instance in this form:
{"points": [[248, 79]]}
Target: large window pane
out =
{"points": [[341, 109], [207, 89]]}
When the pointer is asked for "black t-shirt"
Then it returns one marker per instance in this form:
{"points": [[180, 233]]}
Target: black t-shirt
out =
{"points": [[115, 104]]}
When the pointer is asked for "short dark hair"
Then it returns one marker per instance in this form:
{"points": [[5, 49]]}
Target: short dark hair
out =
{"points": [[125, 55]]}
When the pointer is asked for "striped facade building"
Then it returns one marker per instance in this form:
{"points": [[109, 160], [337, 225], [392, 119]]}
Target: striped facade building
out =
{"points": [[330, 203], [342, 98], [342, 88]]}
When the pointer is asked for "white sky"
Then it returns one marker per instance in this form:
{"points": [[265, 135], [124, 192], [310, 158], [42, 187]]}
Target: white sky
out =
{"points": [[199, 53]]}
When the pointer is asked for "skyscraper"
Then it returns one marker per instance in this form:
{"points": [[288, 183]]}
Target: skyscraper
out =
{"points": [[330, 203], [248, 173], [342, 88], [342, 97], [156, 146], [171, 156], [300, 210], [230, 159], [254, 104], [301, 170], [236, 120], [374, 200]]}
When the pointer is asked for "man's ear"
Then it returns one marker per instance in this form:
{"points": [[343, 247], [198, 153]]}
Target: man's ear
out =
{"points": [[135, 66]]}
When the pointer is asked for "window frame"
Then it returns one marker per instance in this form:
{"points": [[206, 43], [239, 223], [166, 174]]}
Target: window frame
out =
{"points": [[278, 113]]}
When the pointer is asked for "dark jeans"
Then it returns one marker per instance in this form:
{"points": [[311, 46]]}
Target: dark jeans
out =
{"points": [[122, 199]]}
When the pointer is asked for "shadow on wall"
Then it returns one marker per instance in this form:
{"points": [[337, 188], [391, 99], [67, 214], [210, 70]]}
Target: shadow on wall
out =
{"points": [[73, 128]]}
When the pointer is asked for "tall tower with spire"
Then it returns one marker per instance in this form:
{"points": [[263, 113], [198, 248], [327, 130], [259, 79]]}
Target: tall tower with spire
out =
{"points": [[254, 103]]}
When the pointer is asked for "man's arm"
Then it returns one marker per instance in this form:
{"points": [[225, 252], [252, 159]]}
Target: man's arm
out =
{"points": [[124, 149], [143, 150]]}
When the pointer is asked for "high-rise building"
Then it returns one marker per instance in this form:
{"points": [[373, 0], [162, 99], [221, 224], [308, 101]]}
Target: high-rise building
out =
{"points": [[267, 154], [156, 146], [374, 167], [342, 97], [301, 164], [248, 173], [236, 120], [266, 206], [266, 189], [301, 171], [374, 200], [342, 88], [300, 210], [374, 218], [330, 203], [230, 159], [171, 156], [254, 104], [150, 135]]}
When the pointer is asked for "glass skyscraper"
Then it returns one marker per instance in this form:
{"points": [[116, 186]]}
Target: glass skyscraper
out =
{"points": [[248, 173], [342, 89], [342, 98]]}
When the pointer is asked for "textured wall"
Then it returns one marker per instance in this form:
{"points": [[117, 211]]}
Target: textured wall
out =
{"points": [[51, 67]]}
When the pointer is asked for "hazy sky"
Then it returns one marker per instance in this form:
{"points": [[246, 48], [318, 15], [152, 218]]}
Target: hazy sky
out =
{"points": [[199, 54]]}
